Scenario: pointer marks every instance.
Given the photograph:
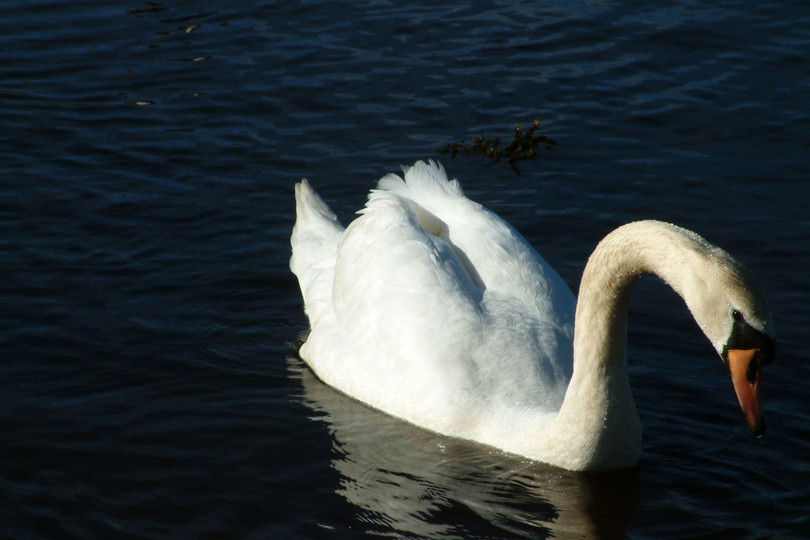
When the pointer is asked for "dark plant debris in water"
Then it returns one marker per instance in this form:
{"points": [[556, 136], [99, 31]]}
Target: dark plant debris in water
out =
{"points": [[524, 146]]}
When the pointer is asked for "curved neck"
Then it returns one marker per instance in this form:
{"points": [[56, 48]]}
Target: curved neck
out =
{"points": [[598, 400], [600, 330]]}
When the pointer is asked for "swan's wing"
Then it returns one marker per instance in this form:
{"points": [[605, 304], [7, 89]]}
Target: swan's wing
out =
{"points": [[314, 242], [527, 348], [399, 288], [497, 257], [404, 318]]}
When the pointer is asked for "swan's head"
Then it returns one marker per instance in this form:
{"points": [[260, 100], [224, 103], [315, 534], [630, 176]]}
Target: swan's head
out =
{"points": [[734, 314]]}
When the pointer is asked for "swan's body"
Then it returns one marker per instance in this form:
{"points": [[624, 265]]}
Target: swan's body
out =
{"points": [[433, 309]]}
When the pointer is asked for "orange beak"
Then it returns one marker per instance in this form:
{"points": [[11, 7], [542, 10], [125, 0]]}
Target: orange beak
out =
{"points": [[745, 365]]}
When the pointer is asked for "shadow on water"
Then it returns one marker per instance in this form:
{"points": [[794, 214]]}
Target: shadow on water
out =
{"points": [[409, 481]]}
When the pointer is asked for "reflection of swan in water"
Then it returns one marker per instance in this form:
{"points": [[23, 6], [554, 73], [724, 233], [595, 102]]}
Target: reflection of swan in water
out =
{"points": [[415, 483]]}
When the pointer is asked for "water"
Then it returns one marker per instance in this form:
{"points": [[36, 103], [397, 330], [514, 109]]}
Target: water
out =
{"points": [[147, 157]]}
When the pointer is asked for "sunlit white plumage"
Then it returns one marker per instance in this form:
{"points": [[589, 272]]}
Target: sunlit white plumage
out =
{"points": [[433, 309]]}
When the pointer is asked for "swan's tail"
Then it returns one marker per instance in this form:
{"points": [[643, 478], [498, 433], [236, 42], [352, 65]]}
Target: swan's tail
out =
{"points": [[314, 249], [423, 183]]}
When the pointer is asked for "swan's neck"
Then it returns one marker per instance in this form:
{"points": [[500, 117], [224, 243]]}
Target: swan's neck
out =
{"points": [[598, 421]]}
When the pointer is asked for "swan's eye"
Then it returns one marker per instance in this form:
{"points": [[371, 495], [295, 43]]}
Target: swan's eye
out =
{"points": [[737, 316]]}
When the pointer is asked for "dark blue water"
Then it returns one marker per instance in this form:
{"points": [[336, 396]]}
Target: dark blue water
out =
{"points": [[147, 157]]}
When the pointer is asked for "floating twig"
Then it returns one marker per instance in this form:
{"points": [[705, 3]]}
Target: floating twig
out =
{"points": [[524, 146]]}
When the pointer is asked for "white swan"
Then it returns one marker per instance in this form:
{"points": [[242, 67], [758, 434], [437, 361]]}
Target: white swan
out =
{"points": [[433, 309]]}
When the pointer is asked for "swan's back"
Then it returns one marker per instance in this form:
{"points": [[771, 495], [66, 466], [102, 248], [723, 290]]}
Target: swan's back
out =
{"points": [[432, 308]]}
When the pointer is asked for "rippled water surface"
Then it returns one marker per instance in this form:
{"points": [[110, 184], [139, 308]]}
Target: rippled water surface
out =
{"points": [[148, 153]]}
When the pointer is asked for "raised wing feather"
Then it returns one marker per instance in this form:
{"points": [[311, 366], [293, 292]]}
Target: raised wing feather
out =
{"points": [[498, 258]]}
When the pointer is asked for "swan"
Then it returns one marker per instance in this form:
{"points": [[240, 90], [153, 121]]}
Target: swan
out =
{"points": [[433, 309]]}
